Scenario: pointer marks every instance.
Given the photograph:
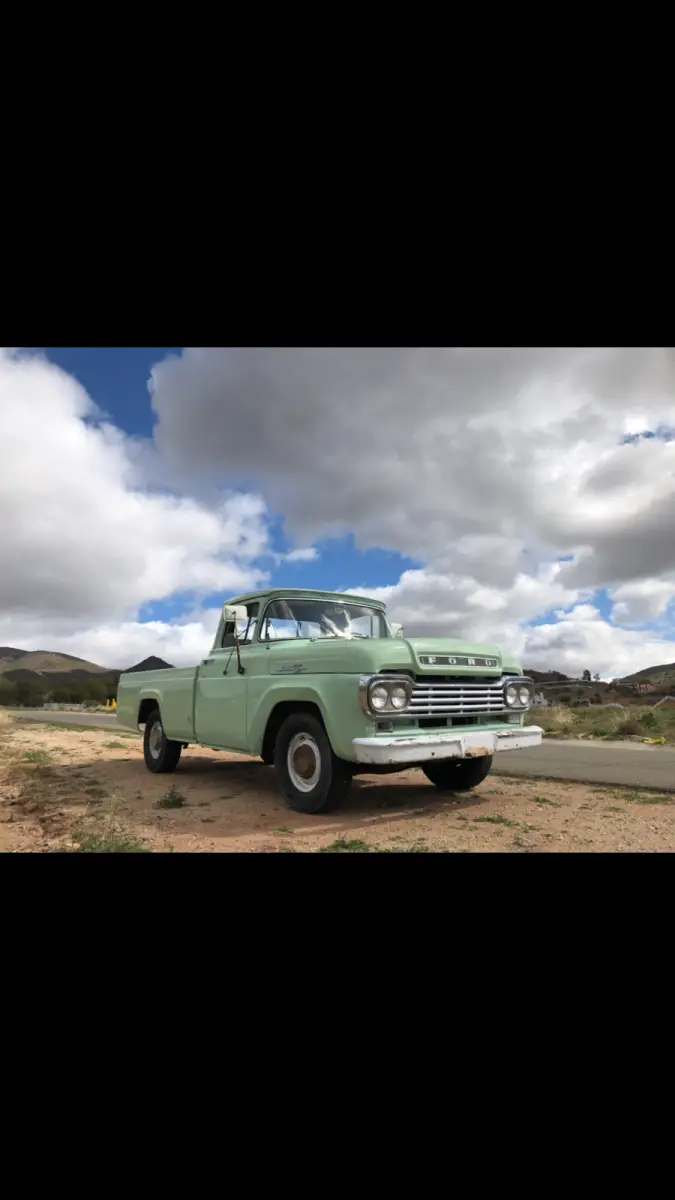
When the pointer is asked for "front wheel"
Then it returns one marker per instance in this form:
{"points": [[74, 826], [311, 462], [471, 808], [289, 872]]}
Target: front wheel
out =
{"points": [[312, 778], [161, 755], [458, 774]]}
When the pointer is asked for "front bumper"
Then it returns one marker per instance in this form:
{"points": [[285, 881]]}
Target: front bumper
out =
{"points": [[432, 747]]}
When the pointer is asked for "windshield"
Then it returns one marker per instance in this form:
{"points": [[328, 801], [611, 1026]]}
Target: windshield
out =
{"points": [[287, 619]]}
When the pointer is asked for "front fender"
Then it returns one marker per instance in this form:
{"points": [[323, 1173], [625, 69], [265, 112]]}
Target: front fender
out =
{"points": [[336, 697]]}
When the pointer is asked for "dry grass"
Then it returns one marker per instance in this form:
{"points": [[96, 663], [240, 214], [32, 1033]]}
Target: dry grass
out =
{"points": [[639, 721]]}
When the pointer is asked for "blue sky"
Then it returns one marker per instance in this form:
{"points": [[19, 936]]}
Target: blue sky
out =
{"points": [[117, 380], [456, 458]]}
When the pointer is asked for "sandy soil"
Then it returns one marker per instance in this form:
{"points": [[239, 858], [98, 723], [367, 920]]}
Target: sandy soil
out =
{"points": [[62, 788]]}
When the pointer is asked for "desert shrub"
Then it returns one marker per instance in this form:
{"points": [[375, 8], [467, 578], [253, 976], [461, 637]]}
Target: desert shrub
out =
{"points": [[631, 725]]}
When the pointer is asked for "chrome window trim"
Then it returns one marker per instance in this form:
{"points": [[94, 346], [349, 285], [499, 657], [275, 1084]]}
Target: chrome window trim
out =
{"points": [[317, 599]]}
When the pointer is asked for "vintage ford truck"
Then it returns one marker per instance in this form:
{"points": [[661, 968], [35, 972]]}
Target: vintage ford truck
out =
{"points": [[321, 685]]}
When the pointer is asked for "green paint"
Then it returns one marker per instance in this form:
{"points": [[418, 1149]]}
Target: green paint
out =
{"points": [[215, 706]]}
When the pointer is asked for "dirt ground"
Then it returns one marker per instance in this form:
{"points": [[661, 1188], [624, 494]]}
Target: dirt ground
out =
{"points": [[68, 789]]}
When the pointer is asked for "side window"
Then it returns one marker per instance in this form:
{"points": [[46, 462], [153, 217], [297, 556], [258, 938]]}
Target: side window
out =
{"points": [[228, 635], [246, 628], [246, 634]]}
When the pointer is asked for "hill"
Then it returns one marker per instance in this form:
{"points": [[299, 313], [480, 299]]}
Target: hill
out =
{"points": [[45, 662], [662, 674], [149, 664], [546, 676], [9, 655]]}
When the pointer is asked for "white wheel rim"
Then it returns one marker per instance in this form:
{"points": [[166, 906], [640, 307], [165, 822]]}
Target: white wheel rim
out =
{"points": [[304, 762], [155, 739]]}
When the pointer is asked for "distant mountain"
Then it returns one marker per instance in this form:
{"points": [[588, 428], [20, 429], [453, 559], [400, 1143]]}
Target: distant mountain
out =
{"points": [[45, 662], [8, 654], [31, 677], [149, 664], [662, 674]]}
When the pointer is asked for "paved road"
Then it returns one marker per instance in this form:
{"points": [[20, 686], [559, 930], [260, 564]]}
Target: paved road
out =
{"points": [[627, 763], [89, 720]]}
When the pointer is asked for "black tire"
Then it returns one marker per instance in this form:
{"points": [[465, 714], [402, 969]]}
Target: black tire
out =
{"points": [[268, 757], [163, 756], [333, 776], [458, 774]]}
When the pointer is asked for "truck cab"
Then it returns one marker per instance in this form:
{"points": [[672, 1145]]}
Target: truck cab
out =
{"points": [[321, 685]]}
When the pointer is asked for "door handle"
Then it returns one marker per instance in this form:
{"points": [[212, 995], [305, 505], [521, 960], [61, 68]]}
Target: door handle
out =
{"points": [[207, 660]]}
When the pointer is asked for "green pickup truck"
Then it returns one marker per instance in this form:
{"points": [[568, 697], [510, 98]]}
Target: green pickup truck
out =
{"points": [[321, 685]]}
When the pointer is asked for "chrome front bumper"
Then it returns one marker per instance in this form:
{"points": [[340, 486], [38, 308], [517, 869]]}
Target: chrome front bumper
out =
{"points": [[432, 747]]}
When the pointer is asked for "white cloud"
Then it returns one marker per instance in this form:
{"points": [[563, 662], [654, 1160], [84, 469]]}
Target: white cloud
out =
{"points": [[581, 640], [424, 451], [303, 554], [120, 644], [81, 543], [642, 601], [484, 466]]}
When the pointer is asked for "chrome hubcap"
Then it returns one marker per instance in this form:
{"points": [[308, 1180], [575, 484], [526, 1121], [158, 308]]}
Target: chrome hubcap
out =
{"points": [[155, 740], [304, 762]]}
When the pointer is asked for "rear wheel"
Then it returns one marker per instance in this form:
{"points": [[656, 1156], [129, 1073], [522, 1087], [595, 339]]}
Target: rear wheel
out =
{"points": [[312, 778], [458, 774], [161, 755]]}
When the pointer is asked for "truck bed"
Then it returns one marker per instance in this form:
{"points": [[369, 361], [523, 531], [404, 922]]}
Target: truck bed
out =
{"points": [[173, 689]]}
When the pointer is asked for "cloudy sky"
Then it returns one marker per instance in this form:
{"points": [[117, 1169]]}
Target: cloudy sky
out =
{"points": [[521, 496]]}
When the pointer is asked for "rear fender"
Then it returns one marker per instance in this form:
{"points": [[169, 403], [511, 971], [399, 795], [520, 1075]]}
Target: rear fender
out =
{"points": [[146, 695]]}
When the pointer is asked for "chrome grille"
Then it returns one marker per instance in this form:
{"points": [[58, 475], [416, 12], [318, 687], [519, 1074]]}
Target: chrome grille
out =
{"points": [[452, 697]]}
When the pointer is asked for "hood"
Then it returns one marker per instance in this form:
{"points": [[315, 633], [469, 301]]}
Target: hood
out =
{"points": [[432, 656], [447, 656]]}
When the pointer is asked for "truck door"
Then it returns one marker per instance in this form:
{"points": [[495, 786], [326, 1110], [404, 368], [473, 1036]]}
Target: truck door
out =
{"points": [[220, 692]]}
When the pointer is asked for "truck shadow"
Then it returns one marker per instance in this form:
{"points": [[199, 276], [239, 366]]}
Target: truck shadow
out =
{"points": [[369, 796], [233, 797]]}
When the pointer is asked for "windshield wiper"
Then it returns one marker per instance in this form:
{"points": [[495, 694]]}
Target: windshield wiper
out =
{"points": [[344, 637]]}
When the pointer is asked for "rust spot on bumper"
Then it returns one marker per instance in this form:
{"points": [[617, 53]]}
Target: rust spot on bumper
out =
{"points": [[477, 751]]}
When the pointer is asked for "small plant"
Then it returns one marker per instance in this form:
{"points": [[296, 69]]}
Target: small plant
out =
{"points": [[545, 800], [629, 727], [344, 846], [653, 799], [282, 829], [113, 745], [497, 821], [402, 850], [520, 843], [650, 721], [41, 758], [107, 835], [116, 843], [171, 799]]}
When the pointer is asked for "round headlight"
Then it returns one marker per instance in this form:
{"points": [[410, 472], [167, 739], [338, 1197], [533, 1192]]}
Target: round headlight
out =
{"points": [[511, 694], [398, 697], [524, 695], [379, 697]]}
